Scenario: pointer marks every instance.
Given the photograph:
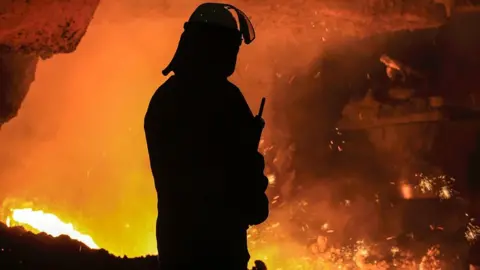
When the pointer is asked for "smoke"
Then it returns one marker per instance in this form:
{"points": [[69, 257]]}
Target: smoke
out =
{"points": [[77, 147]]}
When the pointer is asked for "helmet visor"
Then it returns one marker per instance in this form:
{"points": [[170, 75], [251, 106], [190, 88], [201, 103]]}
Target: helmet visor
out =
{"points": [[246, 27]]}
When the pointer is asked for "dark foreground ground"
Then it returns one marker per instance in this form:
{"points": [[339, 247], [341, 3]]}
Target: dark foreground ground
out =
{"points": [[21, 249]]}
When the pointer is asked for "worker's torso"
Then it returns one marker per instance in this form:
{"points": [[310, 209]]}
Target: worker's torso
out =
{"points": [[184, 134]]}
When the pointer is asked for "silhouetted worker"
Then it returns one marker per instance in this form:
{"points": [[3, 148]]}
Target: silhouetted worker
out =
{"points": [[203, 152]]}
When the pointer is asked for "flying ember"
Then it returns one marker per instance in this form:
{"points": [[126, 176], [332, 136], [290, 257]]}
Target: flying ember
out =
{"points": [[50, 224]]}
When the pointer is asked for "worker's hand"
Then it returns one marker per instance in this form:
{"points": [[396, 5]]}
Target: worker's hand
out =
{"points": [[259, 265], [259, 122]]}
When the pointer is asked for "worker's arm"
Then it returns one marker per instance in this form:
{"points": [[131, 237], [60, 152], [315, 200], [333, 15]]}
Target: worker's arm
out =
{"points": [[245, 164]]}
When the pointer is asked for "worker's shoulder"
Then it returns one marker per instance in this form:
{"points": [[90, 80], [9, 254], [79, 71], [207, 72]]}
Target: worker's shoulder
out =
{"points": [[236, 100], [233, 93], [165, 90], [160, 101]]}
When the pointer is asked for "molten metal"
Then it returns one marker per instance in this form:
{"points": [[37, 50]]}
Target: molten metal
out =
{"points": [[50, 224]]}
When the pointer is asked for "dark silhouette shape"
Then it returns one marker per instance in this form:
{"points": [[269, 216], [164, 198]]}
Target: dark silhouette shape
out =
{"points": [[202, 140], [23, 250], [259, 265], [473, 181]]}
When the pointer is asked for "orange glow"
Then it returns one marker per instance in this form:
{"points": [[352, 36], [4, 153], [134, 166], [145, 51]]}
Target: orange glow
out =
{"points": [[77, 147]]}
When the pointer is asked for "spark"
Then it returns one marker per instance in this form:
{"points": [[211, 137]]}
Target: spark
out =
{"points": [[445, 193], [440, 185], [271, 179], [472, 232]]}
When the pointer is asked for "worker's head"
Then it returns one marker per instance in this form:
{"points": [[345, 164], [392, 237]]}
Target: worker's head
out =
{"points": [[211, 40]]}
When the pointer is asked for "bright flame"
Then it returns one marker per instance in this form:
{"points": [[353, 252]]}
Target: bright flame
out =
{"points": [[407, 192], [50, 224]]}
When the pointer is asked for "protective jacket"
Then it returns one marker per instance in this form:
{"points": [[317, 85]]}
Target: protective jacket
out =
{"points": [[208, 172]]}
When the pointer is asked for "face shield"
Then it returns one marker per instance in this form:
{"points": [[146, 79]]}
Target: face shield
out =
{"points": [[246, 27], [224, 15]]}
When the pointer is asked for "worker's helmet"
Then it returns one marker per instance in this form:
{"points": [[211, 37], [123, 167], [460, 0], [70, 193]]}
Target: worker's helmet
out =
{"points": [[223, 15]]}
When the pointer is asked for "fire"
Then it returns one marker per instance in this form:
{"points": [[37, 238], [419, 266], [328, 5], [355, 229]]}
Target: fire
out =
{"points": [[321, 255], [48, 223], [83, 121], [407, 192]]}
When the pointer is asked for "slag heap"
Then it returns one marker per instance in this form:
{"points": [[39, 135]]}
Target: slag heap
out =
{"points": [[30, 30]]}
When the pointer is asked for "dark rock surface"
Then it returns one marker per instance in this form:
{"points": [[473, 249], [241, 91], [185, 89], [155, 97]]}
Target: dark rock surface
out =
{"points": [[30, 30], [21, 249]]}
